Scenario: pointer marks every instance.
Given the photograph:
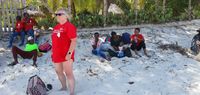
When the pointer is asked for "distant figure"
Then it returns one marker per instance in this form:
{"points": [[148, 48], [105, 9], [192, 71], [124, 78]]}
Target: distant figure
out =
{"points": [[100, 47], [30, 52], [37, 35], [138, 42], [18, 30], [126, 42], [29, 22], [195, 44], [96, 42], [63, 49], [116, 43]]}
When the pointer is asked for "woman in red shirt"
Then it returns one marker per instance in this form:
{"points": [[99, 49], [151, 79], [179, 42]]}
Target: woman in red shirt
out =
{"points": [[138, 42], [63, 47]]}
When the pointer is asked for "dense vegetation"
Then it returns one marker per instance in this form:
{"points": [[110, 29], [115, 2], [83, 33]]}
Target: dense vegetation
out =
{"points": [[90, 13]]}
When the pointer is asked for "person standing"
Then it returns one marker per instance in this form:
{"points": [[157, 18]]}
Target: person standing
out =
{"points": [[63, 48]]}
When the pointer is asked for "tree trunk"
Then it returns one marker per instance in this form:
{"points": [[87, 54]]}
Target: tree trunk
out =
{"points": [[164, 7], [64, 3], [98, 4], [70, 6], [157, 4], [105, 11], [7, 17], [24, 5], [44, 3], [136, 10], [1, 32], [73, 9], [55, 4], [190, 10], [12, 12]]}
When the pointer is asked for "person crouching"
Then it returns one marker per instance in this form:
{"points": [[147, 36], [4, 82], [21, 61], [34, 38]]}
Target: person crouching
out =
{"points": [[31, 51]]}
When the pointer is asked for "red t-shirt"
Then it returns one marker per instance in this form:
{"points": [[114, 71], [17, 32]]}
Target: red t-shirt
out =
{"points": [[137, 39], [61, 40], [19, 26], [28, 23]]}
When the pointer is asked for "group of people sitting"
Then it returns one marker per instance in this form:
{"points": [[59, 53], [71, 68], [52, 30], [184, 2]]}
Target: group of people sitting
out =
{"points": [[123, 45], [111, 46], [22, 28], [118, 45]]}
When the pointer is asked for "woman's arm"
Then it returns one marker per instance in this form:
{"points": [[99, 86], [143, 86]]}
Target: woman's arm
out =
{"points": [[71, 49], [72, 45]]}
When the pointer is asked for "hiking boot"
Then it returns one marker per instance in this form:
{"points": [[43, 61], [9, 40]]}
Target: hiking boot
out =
{"points": [[12, 64], [34, 65]]}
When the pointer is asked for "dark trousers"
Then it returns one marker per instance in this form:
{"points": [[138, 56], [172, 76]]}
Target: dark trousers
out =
{"points": [[99, 52], [30, 32], [134, 46], [127, 52], [21, 33], [24, 54], [112, 53]]}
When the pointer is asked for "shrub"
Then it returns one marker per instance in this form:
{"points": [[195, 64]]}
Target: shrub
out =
{"points": [[86, 19], [46, 22]]}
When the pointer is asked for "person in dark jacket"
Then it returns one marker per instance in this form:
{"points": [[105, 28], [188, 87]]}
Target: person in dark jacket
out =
{"points": [[195, 44]]}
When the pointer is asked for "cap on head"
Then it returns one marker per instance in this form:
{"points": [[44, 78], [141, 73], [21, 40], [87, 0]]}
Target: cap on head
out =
{"points": [[30, 38]]}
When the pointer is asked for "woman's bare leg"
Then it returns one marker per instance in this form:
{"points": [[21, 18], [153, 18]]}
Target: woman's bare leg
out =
{"points": [[61, 75], [68, 68]]}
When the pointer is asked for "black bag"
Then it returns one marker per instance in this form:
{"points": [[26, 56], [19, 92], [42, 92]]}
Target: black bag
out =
{"points": [[126, 38], [127, 52], [112, 53]]}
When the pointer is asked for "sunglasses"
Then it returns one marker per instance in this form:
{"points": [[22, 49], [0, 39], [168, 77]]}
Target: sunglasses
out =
{"points": [[59, 14]]}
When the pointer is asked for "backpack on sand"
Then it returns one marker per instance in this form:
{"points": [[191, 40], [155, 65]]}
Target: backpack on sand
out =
{"points": [[126, 38], [36, 86]]}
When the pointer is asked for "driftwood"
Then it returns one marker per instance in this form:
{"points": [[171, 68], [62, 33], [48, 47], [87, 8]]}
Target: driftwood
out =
{"points": [[174, 47], [184, 51]]}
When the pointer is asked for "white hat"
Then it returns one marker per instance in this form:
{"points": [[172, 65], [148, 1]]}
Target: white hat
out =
{"points": [[30, 38]]}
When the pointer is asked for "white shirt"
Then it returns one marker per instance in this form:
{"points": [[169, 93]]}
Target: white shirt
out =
{"points": [[98, 43]]}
